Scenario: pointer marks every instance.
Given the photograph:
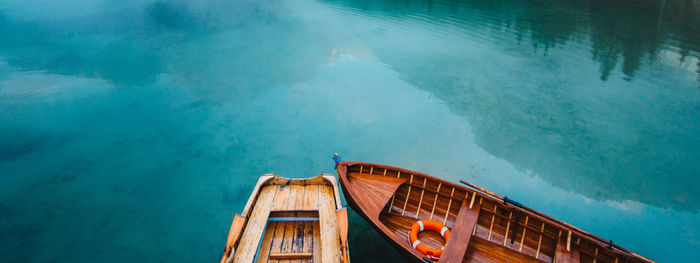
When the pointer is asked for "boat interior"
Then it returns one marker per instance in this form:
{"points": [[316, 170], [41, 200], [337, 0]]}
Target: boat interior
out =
{"points": [[291, 221], [494, 231]]}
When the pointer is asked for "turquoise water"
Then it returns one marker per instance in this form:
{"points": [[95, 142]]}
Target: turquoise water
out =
{"points": [[133, 130]]}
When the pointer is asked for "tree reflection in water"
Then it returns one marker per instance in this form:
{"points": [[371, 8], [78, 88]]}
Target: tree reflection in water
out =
{"points": [[633, 139]]}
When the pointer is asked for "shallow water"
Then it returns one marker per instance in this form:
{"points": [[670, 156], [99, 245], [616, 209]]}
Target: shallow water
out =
{"points": [[133, 130]]}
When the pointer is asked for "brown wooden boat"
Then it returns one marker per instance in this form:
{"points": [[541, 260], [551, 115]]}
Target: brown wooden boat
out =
{"points": [[290, 220], [484, 226]]}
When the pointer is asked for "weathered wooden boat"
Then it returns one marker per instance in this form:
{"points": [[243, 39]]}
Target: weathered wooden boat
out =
{"points": [[484, 227], [290, 220]]}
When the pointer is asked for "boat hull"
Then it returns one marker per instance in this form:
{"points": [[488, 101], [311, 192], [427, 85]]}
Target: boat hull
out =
{"points": [[485, 227]]}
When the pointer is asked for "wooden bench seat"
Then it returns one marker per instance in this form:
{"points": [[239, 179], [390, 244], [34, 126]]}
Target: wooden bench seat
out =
{"points": [[461, 233]]}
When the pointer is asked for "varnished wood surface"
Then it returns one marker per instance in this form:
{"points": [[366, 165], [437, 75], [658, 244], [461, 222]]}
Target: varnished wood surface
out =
{"points": [[501, 233], [293, 255], [461, 234], [378, 190], [481, 250], [290, 221], [565, 252]]}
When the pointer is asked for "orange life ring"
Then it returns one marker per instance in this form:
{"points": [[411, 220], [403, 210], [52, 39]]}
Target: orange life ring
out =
{"points": [[421, 225]]}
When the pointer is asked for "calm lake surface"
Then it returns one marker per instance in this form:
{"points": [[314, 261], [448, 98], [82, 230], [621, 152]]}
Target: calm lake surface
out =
{"points": [[134, 130]]}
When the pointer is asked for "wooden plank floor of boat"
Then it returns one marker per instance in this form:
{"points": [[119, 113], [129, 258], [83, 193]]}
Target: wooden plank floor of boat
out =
{"points": [[292, 240]]}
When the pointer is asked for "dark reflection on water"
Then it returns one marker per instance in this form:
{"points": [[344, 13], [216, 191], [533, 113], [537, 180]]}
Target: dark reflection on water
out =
{"points": [[624, 33], [604, 138], [634, 30]]}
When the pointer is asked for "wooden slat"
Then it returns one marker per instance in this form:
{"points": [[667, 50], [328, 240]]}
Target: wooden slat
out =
{"points": [[539, 243], [298, 240], [480, 202], [595, 257], [505, 236], [250, 239], [493, 218], [308, 242], [311, 197], [398, 175], [267, 241], [457, 245], [298, 255], [418, 184], [330, 243], [282, 198], [316, 242], [420, 202], [522, 239], [288, 241], [564, 255], [471, 203], [277, 240], [449, 204], [531, 228], [435, 201], [296, 197], [293, 236], [408, 195]]}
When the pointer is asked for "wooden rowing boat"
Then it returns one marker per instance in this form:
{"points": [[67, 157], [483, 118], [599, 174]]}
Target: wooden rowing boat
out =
{"points": [[290, 220], [484, 226]]}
